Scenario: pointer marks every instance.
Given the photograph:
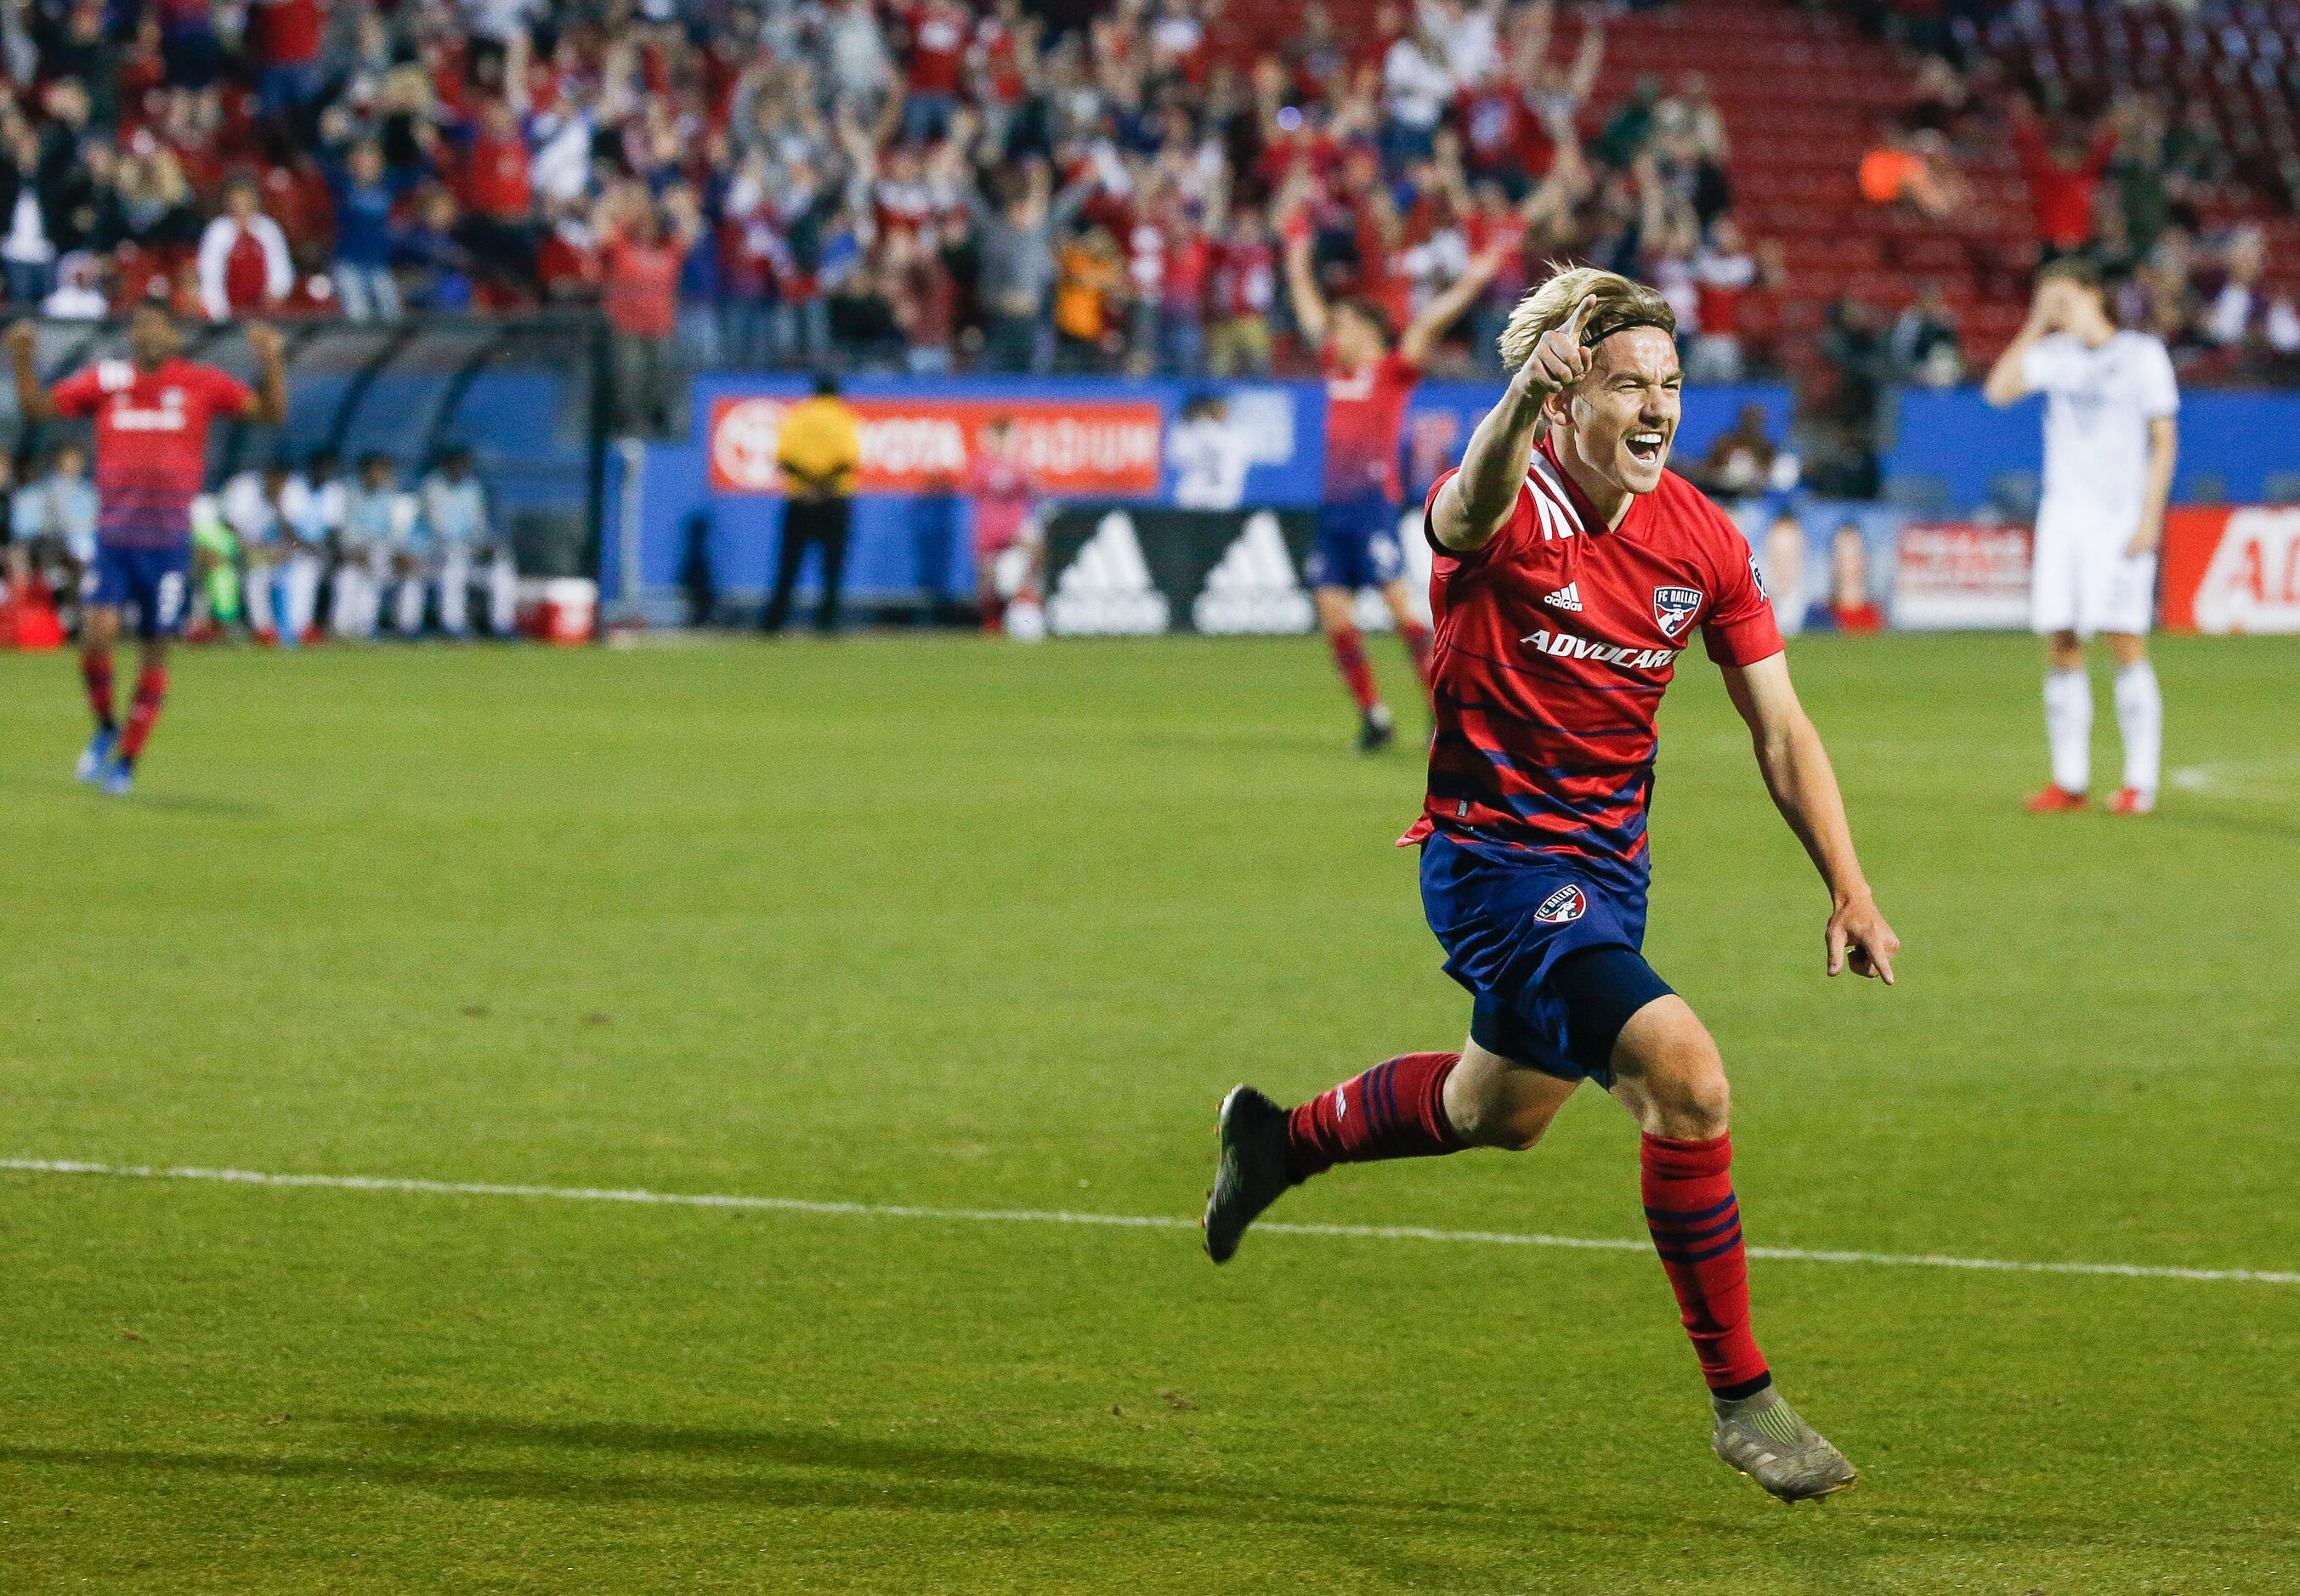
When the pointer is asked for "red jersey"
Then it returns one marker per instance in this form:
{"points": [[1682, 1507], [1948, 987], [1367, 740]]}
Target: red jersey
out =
{"points": [[1004, 498], [1555, 643], [1365, 427], [151, 442], [938, 48]]}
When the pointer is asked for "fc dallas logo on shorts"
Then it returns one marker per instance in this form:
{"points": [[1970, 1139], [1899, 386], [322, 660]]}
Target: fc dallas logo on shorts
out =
{"points": [[1566, 903], [1674, 606]]}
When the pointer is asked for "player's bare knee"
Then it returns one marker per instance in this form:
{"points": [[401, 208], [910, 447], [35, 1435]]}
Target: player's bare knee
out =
{"points": [[1674, 1075], [1492, 1102]]}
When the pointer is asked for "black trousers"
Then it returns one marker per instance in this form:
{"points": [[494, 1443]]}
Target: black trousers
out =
{"points": [[821, 522]]}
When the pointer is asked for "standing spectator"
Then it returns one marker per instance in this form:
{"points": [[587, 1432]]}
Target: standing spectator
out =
{"points": [[2062, 174], [1926, 348], [79, 295], [819, 452], [1724, 272], [1241, 288], [455, 510], [365, 285], [27, 249], [1416, 88], [244, 266], [283, 43], [640, 261], [1017, 274]]}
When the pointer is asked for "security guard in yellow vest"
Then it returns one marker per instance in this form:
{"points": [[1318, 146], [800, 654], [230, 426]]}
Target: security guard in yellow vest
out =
{"points": [[819, 451]]}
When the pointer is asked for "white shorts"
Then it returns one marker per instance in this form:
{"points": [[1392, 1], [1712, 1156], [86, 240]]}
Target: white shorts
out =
{"points": [[2082, 580]]}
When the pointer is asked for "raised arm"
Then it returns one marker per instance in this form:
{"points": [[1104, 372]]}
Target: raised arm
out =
{"points": [[1804, 787], [271, 406], [1445, 309], [32, 401], [1478, 500], [2163, 454], [1302, 284]]}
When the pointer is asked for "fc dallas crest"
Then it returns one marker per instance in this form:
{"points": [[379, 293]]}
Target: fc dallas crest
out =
{"points": [[1674, 606], [1566, 903]]}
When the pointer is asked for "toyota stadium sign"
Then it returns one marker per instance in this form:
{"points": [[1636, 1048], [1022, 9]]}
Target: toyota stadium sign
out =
{"points": [[1097, 448]]}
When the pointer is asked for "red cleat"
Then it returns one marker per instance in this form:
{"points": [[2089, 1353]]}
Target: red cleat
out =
{"points": [[265, 637], [2132, 801], [2056, 801]]}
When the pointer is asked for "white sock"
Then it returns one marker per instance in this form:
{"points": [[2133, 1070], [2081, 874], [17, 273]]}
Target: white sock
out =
{"points": [[2068, 727], [2140, 717]]}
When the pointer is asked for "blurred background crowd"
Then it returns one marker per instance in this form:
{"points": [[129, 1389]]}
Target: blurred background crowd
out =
{"points": [[925, 185]]}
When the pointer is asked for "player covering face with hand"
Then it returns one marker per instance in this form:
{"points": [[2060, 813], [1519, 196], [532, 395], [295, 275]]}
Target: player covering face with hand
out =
{"points": [[2111, 441], [1569, 570]]}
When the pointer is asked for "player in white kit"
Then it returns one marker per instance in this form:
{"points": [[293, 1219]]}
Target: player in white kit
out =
{"points": [[2111, 440]]}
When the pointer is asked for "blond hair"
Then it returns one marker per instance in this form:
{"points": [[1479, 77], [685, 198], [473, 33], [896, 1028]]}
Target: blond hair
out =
{"points": [[1622, 303]]}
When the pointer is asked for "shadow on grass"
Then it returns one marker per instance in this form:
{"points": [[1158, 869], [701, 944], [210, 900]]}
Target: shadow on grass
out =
{"points": [[206, 806], [778, 1468]]}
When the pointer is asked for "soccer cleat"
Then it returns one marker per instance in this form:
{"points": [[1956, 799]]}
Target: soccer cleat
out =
{"points": [[120, 777], [95, 756], [1375, 731], [2056, 800], [1764, 1437], [2132, 801], [1251, 1173]]}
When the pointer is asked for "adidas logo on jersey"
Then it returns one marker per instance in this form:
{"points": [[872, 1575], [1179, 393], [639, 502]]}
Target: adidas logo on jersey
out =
{"points": [[1106, 588], [1568, 597], [1254, 587]]}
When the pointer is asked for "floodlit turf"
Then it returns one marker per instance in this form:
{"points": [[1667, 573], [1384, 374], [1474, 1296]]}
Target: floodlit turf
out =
{"points": [[946, 923]]}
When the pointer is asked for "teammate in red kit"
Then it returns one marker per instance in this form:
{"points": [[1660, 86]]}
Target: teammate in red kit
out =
{"points": [[152, 413], [1367, 386], [1570, 570], [1008, 551]]}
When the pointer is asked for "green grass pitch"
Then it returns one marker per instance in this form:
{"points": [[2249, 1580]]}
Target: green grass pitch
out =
{"points": [[945, 923]]}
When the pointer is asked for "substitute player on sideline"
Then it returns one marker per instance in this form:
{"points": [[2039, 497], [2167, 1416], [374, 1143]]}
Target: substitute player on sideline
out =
{"points": [[1367, 386], [152, 413], [2111, 441], [1569, 570]]}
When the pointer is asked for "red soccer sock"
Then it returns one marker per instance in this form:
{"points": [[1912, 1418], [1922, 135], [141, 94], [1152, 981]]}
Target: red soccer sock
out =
{"points": [[1417, 645], [144, 710], [96, 671], [1697, 1228], [1350, 660], [1393, 1110]]}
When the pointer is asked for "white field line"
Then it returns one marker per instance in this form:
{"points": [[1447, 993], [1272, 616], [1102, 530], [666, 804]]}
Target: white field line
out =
{"points": [[1024, 1216]]}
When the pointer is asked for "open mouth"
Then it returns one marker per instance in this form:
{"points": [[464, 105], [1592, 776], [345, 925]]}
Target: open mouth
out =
{"points": [[1646, 447]]}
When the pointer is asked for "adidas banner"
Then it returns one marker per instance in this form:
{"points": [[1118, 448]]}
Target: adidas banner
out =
{"points": [[1127, 570]]}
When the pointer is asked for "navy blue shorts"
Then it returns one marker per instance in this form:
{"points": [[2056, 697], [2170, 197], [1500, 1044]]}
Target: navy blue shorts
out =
{"points": [[1506, 923], [154, 582], [1357, 544]]}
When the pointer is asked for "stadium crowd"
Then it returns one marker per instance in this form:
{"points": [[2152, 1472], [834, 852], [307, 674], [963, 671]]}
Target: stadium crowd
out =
{"points": [[906, 186], [924, 185]]}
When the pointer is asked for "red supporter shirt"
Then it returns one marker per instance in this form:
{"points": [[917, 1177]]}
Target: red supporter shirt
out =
{"points": [[1365, 427], [642, 292], [1555, 643], [284, 32], [151, 442], [496, 182], [937, 49]]}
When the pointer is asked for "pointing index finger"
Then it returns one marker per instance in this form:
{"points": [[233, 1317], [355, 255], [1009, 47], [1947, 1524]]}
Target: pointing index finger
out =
{"points": [[1582, 314]]}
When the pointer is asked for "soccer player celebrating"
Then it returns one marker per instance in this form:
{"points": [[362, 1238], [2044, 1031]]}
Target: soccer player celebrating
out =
{"points": [[152, 413], [2110, 444], [1569, 570], [1367, 386]]}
